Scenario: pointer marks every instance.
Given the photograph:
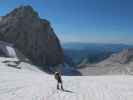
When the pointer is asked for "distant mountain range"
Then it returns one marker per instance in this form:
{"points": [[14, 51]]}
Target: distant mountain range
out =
{"points": [[93, 46], [118, 63], [87, 53]]}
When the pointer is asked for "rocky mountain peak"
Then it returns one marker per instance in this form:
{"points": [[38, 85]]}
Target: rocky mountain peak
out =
{"points": [[32, 35], [23, 11]]}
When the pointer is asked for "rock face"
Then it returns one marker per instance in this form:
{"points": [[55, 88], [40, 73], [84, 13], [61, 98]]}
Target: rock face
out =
{"points": [[33, 36]]}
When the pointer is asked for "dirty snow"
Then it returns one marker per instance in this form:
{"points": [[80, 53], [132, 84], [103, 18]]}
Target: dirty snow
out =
{"points": [[26, 84]]}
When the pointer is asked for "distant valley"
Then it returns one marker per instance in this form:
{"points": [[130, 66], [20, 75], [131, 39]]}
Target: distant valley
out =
{"points": [[90, 53]]}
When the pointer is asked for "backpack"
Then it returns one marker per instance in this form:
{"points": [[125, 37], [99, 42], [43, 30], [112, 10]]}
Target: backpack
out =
{"points": [[57, 75]]}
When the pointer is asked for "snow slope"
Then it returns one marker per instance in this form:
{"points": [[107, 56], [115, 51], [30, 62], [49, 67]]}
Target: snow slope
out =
{"points": [[27, 84], [11, 51]]}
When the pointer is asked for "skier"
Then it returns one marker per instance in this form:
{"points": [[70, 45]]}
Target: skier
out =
{"points": [[57, 76]]}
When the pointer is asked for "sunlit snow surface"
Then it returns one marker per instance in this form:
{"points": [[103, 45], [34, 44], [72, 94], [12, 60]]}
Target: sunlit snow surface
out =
{"points": [[27, 84], [11, 51]]}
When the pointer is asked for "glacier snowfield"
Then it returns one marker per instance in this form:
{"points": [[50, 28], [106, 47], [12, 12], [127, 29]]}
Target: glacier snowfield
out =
{"points": [[28, 83]]}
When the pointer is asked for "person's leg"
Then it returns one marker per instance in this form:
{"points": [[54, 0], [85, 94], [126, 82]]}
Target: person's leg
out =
{"points": [[62, 86], [57, 85]]}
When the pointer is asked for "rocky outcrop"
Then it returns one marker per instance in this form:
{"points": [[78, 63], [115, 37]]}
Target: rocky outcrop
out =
{"points": [[33, 36]]}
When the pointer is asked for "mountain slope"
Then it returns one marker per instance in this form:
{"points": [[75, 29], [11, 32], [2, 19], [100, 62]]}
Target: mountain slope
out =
{"points": [[119, 63], [26, 84], [123, 57]]}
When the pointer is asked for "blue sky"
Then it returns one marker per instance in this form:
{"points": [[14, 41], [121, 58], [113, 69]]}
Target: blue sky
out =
{"points": [[102, 21]]}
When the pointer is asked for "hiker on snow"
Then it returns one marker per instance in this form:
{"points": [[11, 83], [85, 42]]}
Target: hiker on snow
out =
{"points": [[57, 76]]}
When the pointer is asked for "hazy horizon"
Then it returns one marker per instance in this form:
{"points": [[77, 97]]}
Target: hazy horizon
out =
{"points": [[85, 21], [76, 42]]}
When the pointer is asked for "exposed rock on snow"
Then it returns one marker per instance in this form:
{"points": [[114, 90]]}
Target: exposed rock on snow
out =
{"points": [[33, 36], [16, 63]]}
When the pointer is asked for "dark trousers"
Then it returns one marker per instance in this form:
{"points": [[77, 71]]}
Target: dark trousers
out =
{"points": [[60, 84]]}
